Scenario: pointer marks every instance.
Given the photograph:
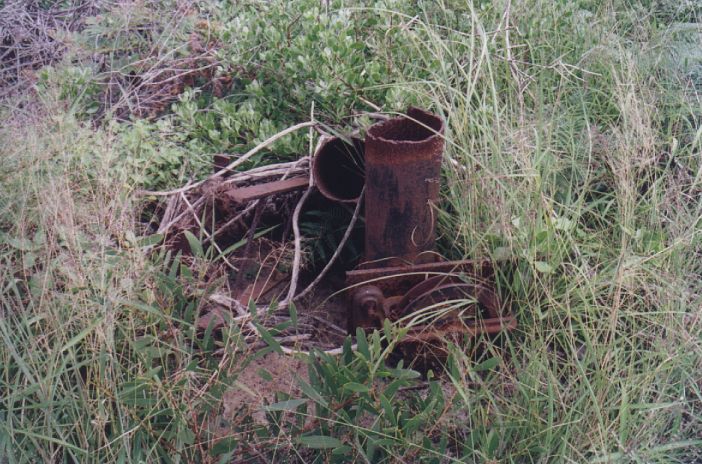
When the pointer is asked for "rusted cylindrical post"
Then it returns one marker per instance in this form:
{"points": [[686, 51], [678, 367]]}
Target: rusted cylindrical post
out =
{"points": [[337, 168], [403, 167]]}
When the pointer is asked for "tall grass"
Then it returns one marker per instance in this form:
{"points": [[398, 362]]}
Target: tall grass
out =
{"points": [[100, 361], [573, 149], [581, 164]]}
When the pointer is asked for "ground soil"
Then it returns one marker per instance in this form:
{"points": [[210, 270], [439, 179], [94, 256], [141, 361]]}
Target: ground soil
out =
{"points": [[259, 381]]}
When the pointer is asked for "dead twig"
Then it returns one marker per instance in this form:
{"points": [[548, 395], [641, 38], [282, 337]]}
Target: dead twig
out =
{"points": [[330, 325], [239, 308], [168, 214], [202, 228], [164, 229], [271, 170], [238, 162], [337, 252], [238, 217], [296, 228], [249, 242], [287, 339], [263, 171], [298, 248]]}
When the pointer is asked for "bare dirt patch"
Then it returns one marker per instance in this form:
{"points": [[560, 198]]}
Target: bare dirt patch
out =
{"points": [[258, 383]]}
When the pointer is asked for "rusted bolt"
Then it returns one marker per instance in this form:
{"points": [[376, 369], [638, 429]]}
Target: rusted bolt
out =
{"points": [[367, 308]]}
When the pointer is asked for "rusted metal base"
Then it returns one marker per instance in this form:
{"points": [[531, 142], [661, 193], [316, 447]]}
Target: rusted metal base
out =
{"points": [[436, 300], [398, 165]]}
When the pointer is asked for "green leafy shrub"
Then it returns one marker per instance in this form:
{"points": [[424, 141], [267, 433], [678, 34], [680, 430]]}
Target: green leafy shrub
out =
{"points": [[354, 407], [76, 86], [287, 58]]}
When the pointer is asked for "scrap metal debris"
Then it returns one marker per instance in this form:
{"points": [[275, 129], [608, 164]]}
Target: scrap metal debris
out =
{"points": [[393, 178], [408, 283], [464, 288]]}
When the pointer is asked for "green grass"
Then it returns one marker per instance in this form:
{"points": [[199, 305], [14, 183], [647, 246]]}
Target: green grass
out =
{"points": [[573, 148]]}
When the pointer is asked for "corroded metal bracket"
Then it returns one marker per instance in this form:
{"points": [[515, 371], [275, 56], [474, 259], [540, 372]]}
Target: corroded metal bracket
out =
{"points": [[434, 299]]}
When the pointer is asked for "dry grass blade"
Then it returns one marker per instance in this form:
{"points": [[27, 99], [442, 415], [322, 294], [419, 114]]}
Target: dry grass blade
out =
{"points": [[246, 318], [234, 164], [28, 40]]}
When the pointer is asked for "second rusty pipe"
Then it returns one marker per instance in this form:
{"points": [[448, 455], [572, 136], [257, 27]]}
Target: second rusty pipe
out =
{"points": [[337, 168], [403, 166]]}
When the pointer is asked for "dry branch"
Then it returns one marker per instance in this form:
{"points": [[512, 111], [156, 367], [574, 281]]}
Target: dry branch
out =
{"points": [[337, 252], [236, 306], [234, 164], [28, 39]]}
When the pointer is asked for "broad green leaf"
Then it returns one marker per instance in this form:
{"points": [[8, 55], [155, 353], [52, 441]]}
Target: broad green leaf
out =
{"points": [[311, 393], [342, 450], [388, 409], [21, 244], [387, 328], [487, 365], [543, 267], [405, 374], [624, 416], [81, 335], [242, 242], [150, 240], [186, 436], [493, 442], [288, 405], [541, 236], [223, 446], [562, 223], [356, 387], [195, 245], [42, 437], [268, 338], [293, 314], [320, 442], [362, 343]]}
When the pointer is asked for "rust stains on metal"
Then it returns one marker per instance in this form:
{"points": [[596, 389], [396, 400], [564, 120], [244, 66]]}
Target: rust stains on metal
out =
{"points": [[254, 192], [403, 279], [400, 279], [460, 294], [337, 169], [367, 308], [434, 298], [403, 166]]}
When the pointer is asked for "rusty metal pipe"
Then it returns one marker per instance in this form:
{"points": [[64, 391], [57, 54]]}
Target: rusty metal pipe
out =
{"points": [[403, 167], [337, 168]]}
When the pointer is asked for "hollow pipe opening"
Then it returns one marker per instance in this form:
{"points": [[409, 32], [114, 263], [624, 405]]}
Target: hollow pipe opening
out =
{"points": [[338, 169], [416, 127]]}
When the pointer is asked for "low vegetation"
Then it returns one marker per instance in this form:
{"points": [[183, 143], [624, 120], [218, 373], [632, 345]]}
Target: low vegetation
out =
{"points": [[573, 148]]}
